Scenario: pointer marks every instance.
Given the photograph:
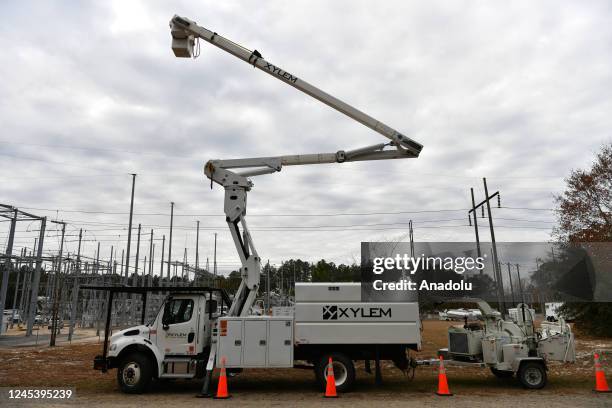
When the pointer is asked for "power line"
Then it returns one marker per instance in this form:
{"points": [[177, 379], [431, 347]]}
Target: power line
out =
{"points": [[99, 149], [251, 215], [272, 227], [348, 214]]}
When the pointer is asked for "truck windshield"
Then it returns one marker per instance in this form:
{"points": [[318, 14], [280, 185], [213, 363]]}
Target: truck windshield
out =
{"points": [[177, 311]]}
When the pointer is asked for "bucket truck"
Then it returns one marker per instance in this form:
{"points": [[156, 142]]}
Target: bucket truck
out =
{"points": [[189, 337]]}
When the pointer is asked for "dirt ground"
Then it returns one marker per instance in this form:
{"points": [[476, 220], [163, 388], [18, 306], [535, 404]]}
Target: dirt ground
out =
{"points": [[71, 365]]}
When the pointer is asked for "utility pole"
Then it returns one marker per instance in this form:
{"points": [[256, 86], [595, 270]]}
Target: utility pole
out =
{"points": [[36, 281], [511, 286], [475, 224], [411, 237], [129, 244], [17, 269], [150, 259], [7, 267], [183, 267], [137, 254], [98, 297], [268, 286], [197, 260], [110, 263], [57, 289], [518, 273], [144, 271], [97, 268], [28, 283], [129, 239], [281, 284], [75, 289], [170, 239], [494, 246], [497, 276], [215, 258], [151, 264], [161, 267], [122, 260]]}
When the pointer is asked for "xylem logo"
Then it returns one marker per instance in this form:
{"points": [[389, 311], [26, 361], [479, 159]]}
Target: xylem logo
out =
{"points": [[335, 312], [283, 74]]}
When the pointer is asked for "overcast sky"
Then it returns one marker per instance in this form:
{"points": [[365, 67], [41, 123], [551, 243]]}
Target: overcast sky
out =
{"points": [[90, 92]]}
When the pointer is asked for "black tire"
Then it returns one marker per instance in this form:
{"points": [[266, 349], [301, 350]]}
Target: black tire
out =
{"points": [[501, 373], [532, 375], [135, 373], [344, 371]]}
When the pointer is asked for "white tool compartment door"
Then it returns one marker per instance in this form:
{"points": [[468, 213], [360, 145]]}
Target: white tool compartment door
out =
{"points": [[255, 343], [230, 342], [280, 347]]}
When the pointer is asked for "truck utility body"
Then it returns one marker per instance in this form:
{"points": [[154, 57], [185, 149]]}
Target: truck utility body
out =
{"points": [[328, 316]]}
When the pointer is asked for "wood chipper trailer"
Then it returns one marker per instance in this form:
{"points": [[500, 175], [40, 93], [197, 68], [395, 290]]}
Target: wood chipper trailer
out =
{"points": [[512, 347]]}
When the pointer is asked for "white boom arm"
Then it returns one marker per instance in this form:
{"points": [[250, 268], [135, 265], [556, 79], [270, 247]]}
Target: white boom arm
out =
{"points": [[236, 184], [184, 31]]}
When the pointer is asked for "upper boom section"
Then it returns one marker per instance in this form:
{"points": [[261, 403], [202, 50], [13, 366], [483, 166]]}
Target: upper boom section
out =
{"points": [[184, 32]]}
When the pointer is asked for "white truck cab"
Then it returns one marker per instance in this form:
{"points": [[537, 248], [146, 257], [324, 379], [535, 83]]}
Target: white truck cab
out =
{"points": [[175, 344]]}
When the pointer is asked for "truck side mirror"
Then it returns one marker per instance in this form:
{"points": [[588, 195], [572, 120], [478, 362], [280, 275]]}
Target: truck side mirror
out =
{"points": [[165, 321], [211, 306]]}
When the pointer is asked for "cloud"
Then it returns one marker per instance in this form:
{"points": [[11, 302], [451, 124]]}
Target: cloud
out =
{"points": [[516, 92]]}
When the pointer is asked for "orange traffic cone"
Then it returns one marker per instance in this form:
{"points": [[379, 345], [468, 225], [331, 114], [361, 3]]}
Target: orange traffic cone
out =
{"points": [[330, 389], [222, 385], [601, 385], [442, 382]]}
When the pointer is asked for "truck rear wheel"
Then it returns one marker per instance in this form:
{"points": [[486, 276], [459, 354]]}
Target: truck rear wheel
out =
{"points": [[532, 375], [134, 373], [344, 371]]}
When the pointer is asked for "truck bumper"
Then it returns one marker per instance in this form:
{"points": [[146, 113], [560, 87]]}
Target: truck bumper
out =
{"points": [[103, 364]]}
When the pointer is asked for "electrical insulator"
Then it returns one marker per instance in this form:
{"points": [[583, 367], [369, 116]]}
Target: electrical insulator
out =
{"points": [[470, 219], [498, 201], [482, 208]]}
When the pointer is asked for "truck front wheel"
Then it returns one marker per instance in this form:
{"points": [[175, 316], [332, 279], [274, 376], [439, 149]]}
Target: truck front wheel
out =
{"points": [[134, 373], [344, 371]]}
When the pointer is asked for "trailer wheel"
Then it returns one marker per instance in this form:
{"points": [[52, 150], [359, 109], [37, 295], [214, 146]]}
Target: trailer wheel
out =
{"points": [[134, 373], [532, 375], [501, 373], [344, 371]]}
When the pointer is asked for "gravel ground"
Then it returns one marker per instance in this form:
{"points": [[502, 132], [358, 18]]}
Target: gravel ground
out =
{"points": [[71, 365]]}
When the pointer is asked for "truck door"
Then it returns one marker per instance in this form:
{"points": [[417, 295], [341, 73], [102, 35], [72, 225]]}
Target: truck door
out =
{"points": [[177, 334]]}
